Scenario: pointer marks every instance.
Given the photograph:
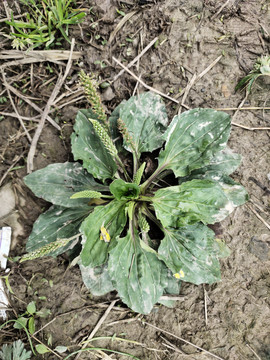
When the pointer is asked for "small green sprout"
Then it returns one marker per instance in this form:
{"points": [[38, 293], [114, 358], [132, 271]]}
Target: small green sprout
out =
{"points": [[261, 68]]}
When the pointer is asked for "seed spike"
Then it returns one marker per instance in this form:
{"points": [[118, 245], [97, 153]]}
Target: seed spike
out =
{"points": [[139, 174], [104, 137], [126, 135], [86, 194], [47, 249], [90, 89], [143, 223]]}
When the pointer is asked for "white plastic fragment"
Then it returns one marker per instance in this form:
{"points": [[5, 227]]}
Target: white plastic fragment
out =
{"points": [[5, 239], [3, 301]]}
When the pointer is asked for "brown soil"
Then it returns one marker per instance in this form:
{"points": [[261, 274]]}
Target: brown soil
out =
{"points": [[192, 34]]}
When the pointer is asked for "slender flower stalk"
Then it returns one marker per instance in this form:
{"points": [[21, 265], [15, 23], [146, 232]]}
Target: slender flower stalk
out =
{"points": [[129, 142], [148, 182]]}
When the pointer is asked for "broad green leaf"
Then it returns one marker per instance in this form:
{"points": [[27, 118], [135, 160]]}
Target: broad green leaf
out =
{"points": [[31, 307], [137, 275], [113, 218], [145, 119], [15, 351], [97, 279], [87, 146], [234, 192], [56, 223], [56, 183], [191, 202], [192, 139], [20, 322], [122, 190], [42, 349], [190, 250], [31, 325]]}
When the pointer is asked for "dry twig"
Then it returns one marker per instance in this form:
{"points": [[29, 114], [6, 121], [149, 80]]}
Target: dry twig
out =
{"points": [[179, 338], [7, 10], [171, 346], [59, 83], [51, 350], [17, 158], [143, 83], [194, 79], [257, 356], [205, 306], [15, 115], [250, 128], [187, 90], [119, 25], [136, 58], [14, 107], [34, 106], [258, 216], [240, 107], [123, 321], [220, 9], [243, 108], [14, 17], [96, 328], [30, 57]]}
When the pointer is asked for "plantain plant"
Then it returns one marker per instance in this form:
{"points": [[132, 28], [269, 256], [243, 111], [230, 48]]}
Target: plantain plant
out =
{"points": [[140, 221]]}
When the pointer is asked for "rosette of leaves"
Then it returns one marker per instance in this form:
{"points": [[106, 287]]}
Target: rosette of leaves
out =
{"points": [[139, 235]]}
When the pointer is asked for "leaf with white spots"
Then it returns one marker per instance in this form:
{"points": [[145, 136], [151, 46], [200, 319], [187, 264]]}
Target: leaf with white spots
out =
{"points": [[97, 279], [57, 223], [146, 120], [235, 193], [225, 162], [193, 138], [191, 250], [138, 275], [191, 202], [87, 146], [56, 183]]}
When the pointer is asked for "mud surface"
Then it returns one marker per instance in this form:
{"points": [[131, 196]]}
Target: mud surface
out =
{"points": [[230, 318]]}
